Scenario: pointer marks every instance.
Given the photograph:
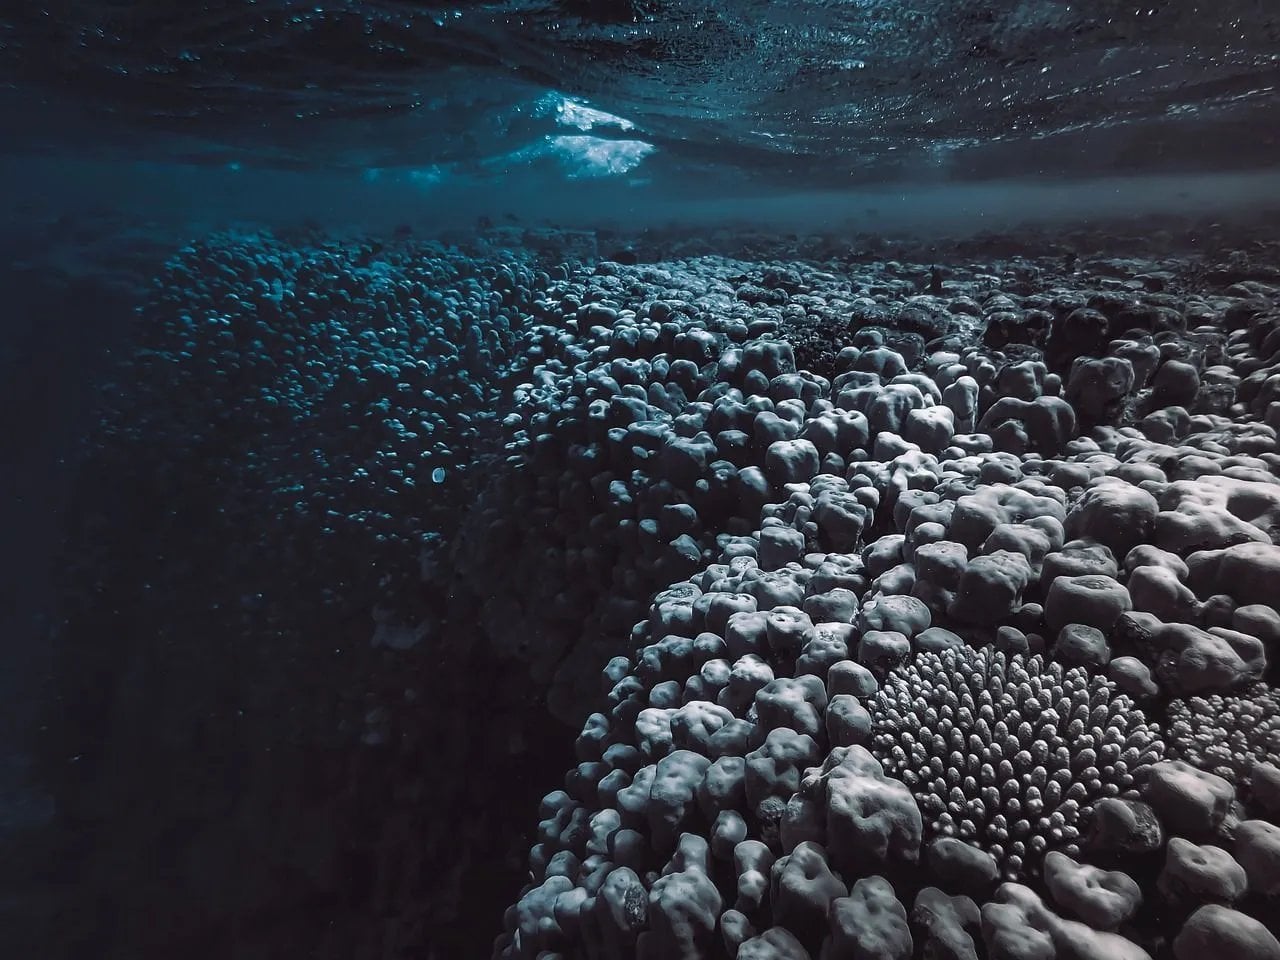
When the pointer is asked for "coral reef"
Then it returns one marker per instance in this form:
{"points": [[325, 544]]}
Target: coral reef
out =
{"points": [[934, 616], [1009, 753], [1226, 735]]}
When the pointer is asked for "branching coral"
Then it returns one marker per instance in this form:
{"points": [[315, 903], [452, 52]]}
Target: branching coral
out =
{"points": [[1226, 735], [1010, 753]]}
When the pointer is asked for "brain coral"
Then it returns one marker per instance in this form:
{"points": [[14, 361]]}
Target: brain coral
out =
{"points": [[1010, 753]]}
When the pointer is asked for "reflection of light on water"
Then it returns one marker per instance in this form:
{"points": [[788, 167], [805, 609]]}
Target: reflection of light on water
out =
{"points": [[596, 157], [587, 156], [575, 113], [579, 115], [580, 156]]}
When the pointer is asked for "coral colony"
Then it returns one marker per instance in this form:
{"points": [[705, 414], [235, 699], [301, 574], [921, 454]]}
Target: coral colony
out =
{"points": [[931, 623]]}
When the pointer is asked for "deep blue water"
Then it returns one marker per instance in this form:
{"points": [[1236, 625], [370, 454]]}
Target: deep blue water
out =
{"points": [[128, 130]]}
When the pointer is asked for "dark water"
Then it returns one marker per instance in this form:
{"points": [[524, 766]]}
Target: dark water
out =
{"points": [[817, 94], [197, 700]]}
